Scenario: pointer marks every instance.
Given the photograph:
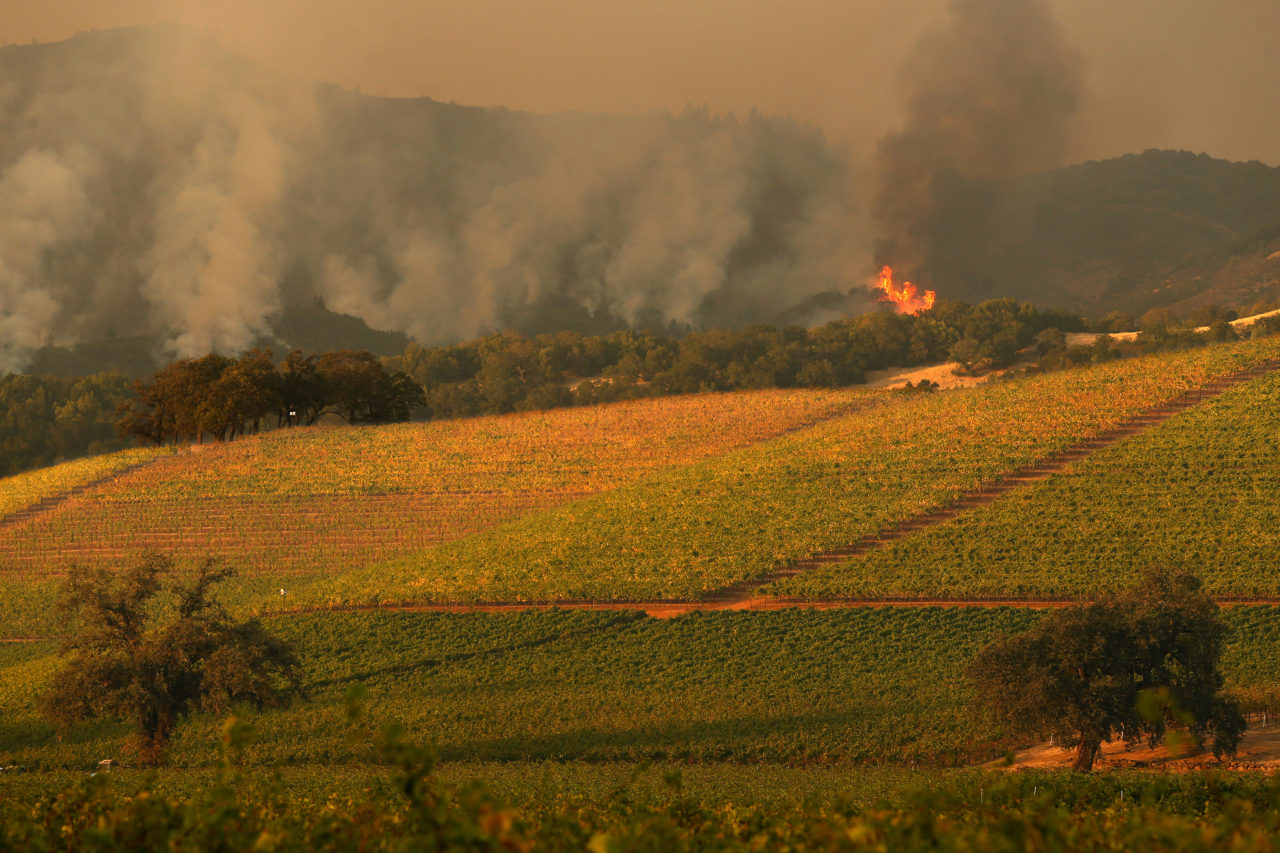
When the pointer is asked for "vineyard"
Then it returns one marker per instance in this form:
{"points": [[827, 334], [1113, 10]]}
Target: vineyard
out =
{"points": [[1200, 492], [326, 500], [798, 687], [682, 532], [649, 811], [662, 499], [22, 491]]}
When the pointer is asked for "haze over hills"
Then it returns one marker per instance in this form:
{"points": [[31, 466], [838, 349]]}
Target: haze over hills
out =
{"points": [[154, 185], [146, 169], [1157, 229]]}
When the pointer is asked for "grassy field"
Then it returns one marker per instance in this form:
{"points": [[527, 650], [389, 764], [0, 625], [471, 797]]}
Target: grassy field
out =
{"points": [[794, 687], [1200, 492]]}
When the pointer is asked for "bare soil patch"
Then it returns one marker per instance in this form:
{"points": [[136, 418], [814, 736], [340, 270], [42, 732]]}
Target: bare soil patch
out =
{"points": [[1259, 750], [943, 375]]}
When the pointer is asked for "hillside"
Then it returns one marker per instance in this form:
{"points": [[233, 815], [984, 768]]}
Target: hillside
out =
{"points": [[667, 499], [1197, 493], [1157, 229], [659, 498]]}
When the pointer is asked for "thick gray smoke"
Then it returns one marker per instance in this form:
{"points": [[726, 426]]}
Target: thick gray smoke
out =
{"points": [[992, 95], [151, 183]]}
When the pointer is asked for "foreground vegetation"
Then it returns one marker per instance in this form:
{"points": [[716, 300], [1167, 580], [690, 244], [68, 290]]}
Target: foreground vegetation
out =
{"points": [[1196, 493], [409, 807], [839, 687]]}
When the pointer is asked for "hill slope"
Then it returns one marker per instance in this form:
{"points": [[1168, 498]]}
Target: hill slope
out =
{"points": [[1157, 229], [659, 499], [1198, 493]]}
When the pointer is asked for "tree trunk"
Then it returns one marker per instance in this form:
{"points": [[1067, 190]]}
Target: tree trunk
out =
{"points": [[1086, 752]]}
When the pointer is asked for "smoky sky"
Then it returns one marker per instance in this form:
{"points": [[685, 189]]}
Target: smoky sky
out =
{"points": [[1157, 73], [189, 180], [994, 93]]}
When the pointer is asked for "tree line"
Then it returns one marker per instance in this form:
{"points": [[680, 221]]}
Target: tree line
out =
{"points": [[223, 397], [46, 419], [508, 371]]}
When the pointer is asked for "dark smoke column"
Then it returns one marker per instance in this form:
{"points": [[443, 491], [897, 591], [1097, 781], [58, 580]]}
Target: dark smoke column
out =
{"points": [[993, 95]]}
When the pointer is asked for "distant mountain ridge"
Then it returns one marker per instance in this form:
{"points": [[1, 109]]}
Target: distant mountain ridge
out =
{"points": [[153, 185], [1157, 229]]}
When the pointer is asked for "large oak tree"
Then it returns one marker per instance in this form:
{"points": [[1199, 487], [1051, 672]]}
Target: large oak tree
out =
{"points": [[1130, 668]]}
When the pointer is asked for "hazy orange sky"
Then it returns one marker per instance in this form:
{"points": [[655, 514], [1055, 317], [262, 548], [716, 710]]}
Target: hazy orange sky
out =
{"points": [[1160, 73]]}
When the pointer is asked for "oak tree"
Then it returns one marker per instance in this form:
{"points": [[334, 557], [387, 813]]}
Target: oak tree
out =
{"points": [[1135, 666], [149, 648]]}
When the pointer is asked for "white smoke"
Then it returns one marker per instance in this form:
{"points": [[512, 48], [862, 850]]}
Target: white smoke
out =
{"points": [[226, 193], [213, 269], [646, 224], [42, 204], [212, 272]]}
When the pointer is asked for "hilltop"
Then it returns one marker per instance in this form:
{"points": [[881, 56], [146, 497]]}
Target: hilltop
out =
{"points": [[1161, 229]]}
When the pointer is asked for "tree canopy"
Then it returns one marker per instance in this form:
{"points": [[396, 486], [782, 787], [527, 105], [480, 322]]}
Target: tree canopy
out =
{"points": [[1135, 666], [44, 419], [150, 648], [225, 397]]}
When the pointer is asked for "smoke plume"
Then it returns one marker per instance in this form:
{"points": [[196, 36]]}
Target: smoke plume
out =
{"points": [[42, 205], [992, 95], [152, 183]]}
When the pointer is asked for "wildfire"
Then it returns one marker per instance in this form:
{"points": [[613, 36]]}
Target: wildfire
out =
{"points": [[904, 298]]}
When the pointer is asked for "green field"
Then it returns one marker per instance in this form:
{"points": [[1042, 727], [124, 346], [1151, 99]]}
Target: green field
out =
{"points": [[793, 687], [1200, 492]]}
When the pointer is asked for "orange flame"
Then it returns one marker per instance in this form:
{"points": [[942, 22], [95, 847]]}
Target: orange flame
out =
{"points": [[904, 298]]}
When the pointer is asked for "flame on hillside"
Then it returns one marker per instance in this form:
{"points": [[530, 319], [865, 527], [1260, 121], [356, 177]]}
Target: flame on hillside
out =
{"points": [[904, 298]]}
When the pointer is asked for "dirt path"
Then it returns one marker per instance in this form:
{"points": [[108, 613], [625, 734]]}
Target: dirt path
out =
{"points": [[670, 609], [1259, 750]]}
